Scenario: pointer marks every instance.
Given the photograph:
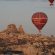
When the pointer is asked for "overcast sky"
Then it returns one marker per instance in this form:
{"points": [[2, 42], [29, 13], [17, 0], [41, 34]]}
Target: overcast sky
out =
{"points": [[20, 12]]}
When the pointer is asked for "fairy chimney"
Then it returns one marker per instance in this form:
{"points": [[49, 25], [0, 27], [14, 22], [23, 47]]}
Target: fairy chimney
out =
{"points": [[12, 28], [20, 29]]}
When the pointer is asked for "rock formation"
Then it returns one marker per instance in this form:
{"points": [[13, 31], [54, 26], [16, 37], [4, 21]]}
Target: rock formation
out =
{"points": [[12, 28], [20, 30], [14, 39]]}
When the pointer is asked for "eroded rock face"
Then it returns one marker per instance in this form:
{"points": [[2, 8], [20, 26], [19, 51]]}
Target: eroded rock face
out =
{"points": [[20, 30], [12, 28], [29, 44]]}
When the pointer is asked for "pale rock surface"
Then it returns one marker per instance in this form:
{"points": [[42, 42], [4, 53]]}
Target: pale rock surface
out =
{"points": [[29, 44]]}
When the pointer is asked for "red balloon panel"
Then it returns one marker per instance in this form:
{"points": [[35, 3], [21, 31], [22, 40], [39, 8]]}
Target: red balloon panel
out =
{"points": [[39, 19], [39, 23], [51, 1], [39, 15]]}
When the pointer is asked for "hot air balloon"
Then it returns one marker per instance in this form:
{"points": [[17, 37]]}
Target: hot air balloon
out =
{"points": [[39, 19], [51, 2]]}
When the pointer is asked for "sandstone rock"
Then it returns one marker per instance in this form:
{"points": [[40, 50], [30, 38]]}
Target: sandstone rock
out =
{"points": [[29, 44], [20, 30], [11, 28]]}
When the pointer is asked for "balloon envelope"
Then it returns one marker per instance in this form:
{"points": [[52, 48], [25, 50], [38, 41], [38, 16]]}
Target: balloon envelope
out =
{"points": [[39, 19], [51, 2]]}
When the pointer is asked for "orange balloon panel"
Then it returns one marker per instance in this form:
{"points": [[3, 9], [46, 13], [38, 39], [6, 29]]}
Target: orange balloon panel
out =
{"points": [[39, 19]]}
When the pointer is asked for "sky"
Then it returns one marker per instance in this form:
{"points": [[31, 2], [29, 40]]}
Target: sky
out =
{"points": [[20, 12]]}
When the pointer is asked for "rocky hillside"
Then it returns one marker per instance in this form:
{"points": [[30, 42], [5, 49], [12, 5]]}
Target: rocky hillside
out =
{"points": [[16, 39]]}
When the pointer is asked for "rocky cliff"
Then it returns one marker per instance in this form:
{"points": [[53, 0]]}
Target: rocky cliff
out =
{"points": [[16, 39]]}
